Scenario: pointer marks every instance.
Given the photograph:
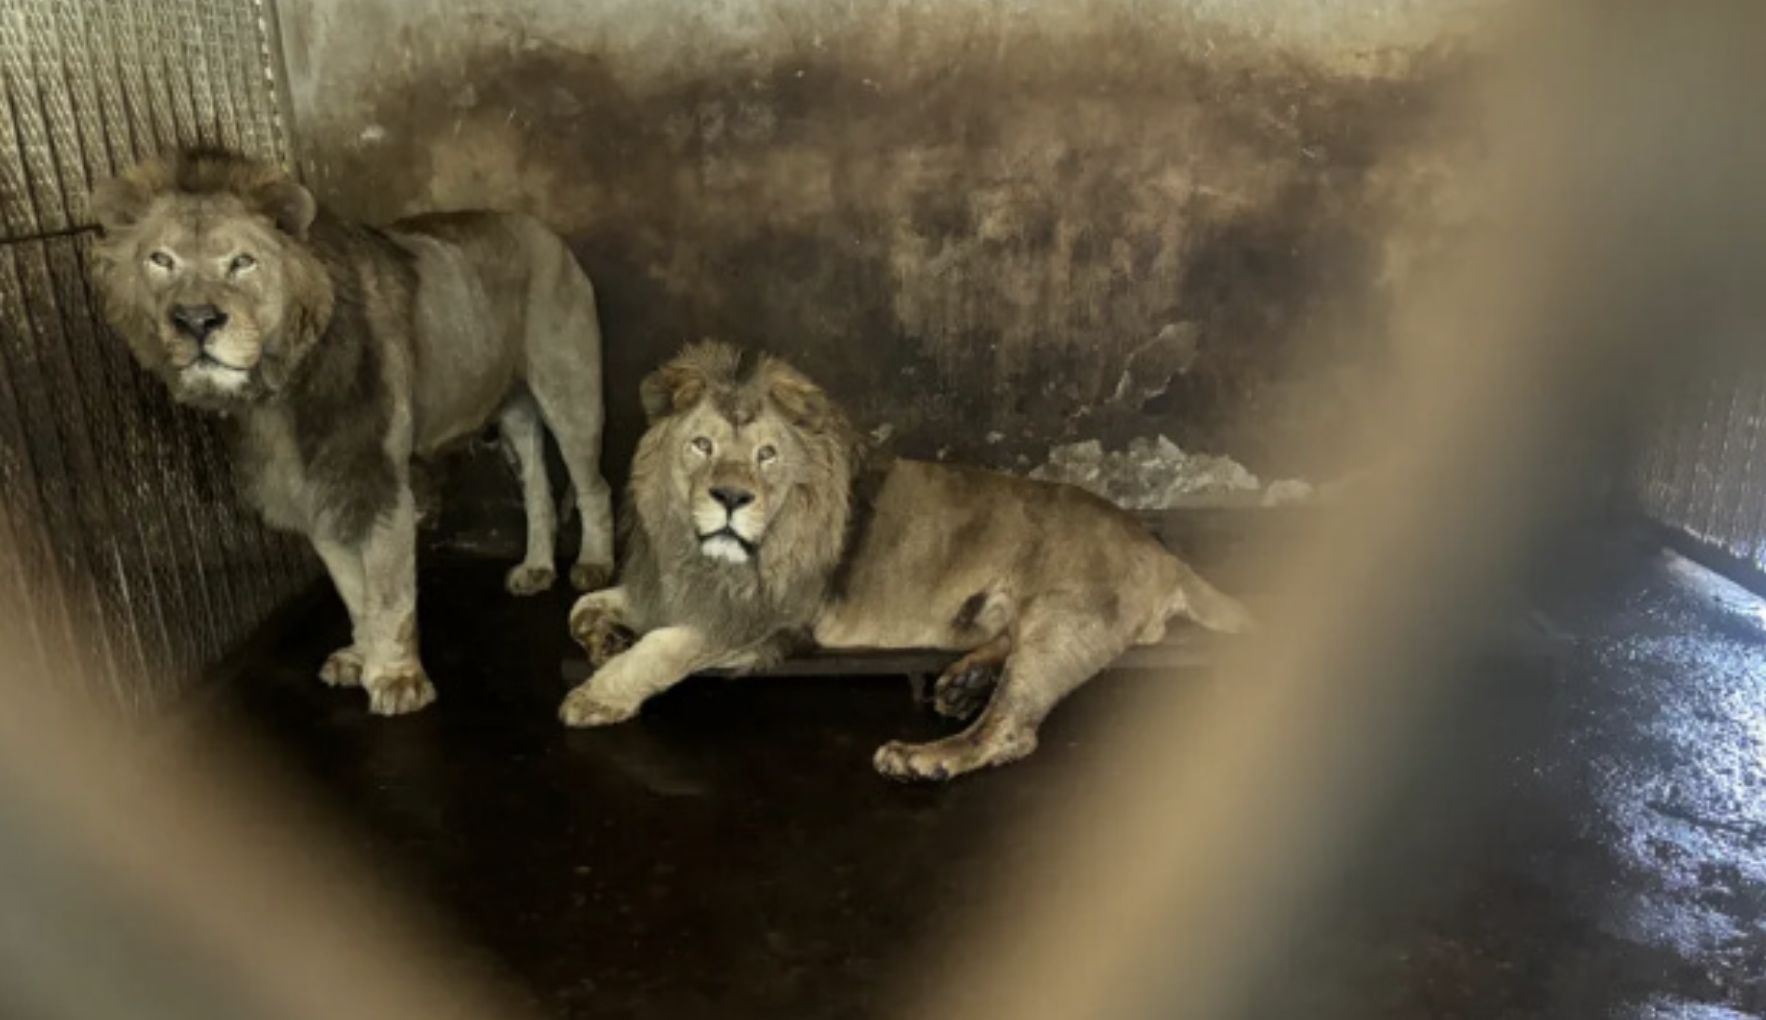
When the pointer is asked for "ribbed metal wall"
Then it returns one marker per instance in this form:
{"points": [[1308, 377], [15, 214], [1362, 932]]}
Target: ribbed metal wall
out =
{"points": [[128, 540], [1704, 471]]}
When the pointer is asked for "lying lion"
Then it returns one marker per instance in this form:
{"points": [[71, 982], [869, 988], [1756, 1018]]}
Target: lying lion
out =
{"points": [[757, 522], [339, 352]]}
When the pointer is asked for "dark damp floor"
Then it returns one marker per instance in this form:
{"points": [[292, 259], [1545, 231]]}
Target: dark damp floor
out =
{"points": [[1584, 835]]}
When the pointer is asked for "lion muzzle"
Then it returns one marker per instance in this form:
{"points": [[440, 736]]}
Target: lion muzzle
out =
{"points": [[725, 522]]}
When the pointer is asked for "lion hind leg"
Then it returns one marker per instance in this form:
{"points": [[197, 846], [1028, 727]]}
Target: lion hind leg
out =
{"points": [[1056, 647], [599, 623], [564, 374], [964, 685], [520, 425]]}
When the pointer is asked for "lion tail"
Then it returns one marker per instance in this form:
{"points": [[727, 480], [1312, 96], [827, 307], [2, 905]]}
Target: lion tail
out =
{"points": [[1195, 598]]}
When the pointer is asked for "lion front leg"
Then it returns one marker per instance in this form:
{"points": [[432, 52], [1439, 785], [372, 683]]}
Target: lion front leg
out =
{"points": [[343, 562], [392, 671], [659, 660]]}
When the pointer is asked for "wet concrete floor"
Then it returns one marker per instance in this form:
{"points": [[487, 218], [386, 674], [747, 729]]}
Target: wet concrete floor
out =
{"points": [[1584, 836]]}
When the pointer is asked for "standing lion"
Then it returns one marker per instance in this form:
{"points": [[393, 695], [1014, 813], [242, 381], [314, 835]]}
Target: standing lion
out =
{"points": [[339, 352], [759, 521]]}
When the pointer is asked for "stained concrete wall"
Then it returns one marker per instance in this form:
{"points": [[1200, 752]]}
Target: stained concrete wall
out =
{"points": [[995, 225]]}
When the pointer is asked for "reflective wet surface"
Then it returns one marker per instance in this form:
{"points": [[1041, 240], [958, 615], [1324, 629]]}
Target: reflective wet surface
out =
{"points": [[1581, 833]]}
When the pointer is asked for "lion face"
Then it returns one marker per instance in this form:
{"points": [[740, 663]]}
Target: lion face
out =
{"points": [[211, 282], [730, 477], [200, 280], [746, 464]]}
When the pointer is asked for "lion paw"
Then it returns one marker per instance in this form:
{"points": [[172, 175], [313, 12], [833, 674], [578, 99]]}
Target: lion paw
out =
{"points": [[911, 763], [529, 578], [582, 708], [590, 576], [949, 758], [399, 690], [960, 694], [599, 631], [342, 668]]}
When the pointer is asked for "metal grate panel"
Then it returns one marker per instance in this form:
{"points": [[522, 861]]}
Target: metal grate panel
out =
{"points": [[130, 543], [1704, 471]]}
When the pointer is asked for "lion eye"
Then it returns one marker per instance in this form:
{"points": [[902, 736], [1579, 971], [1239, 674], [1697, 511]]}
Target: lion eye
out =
{"points": [[241, 263], [702, 445], [161, 259], [766, 453]]}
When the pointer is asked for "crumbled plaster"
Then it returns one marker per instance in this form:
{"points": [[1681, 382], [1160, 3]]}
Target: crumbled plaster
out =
{"points": [[1157, 474]]}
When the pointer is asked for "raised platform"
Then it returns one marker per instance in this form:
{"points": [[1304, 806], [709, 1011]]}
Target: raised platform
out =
{"points": [[1183, 648]]}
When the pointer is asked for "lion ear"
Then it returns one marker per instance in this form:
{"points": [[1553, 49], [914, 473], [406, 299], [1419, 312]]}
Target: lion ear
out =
{"points": [[800, 400], [670, 390], [118, 202], [289, 205]]}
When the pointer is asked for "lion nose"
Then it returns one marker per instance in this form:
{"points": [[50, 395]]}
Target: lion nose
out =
{"points": [[733, 499], [198, 321]]}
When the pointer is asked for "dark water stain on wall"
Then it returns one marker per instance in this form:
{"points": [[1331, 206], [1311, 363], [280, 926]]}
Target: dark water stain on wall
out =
{"points": [[991, 241]]}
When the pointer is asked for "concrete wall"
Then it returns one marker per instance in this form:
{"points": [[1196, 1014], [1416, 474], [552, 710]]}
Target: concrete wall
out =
{"points": [[996, 225]]}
